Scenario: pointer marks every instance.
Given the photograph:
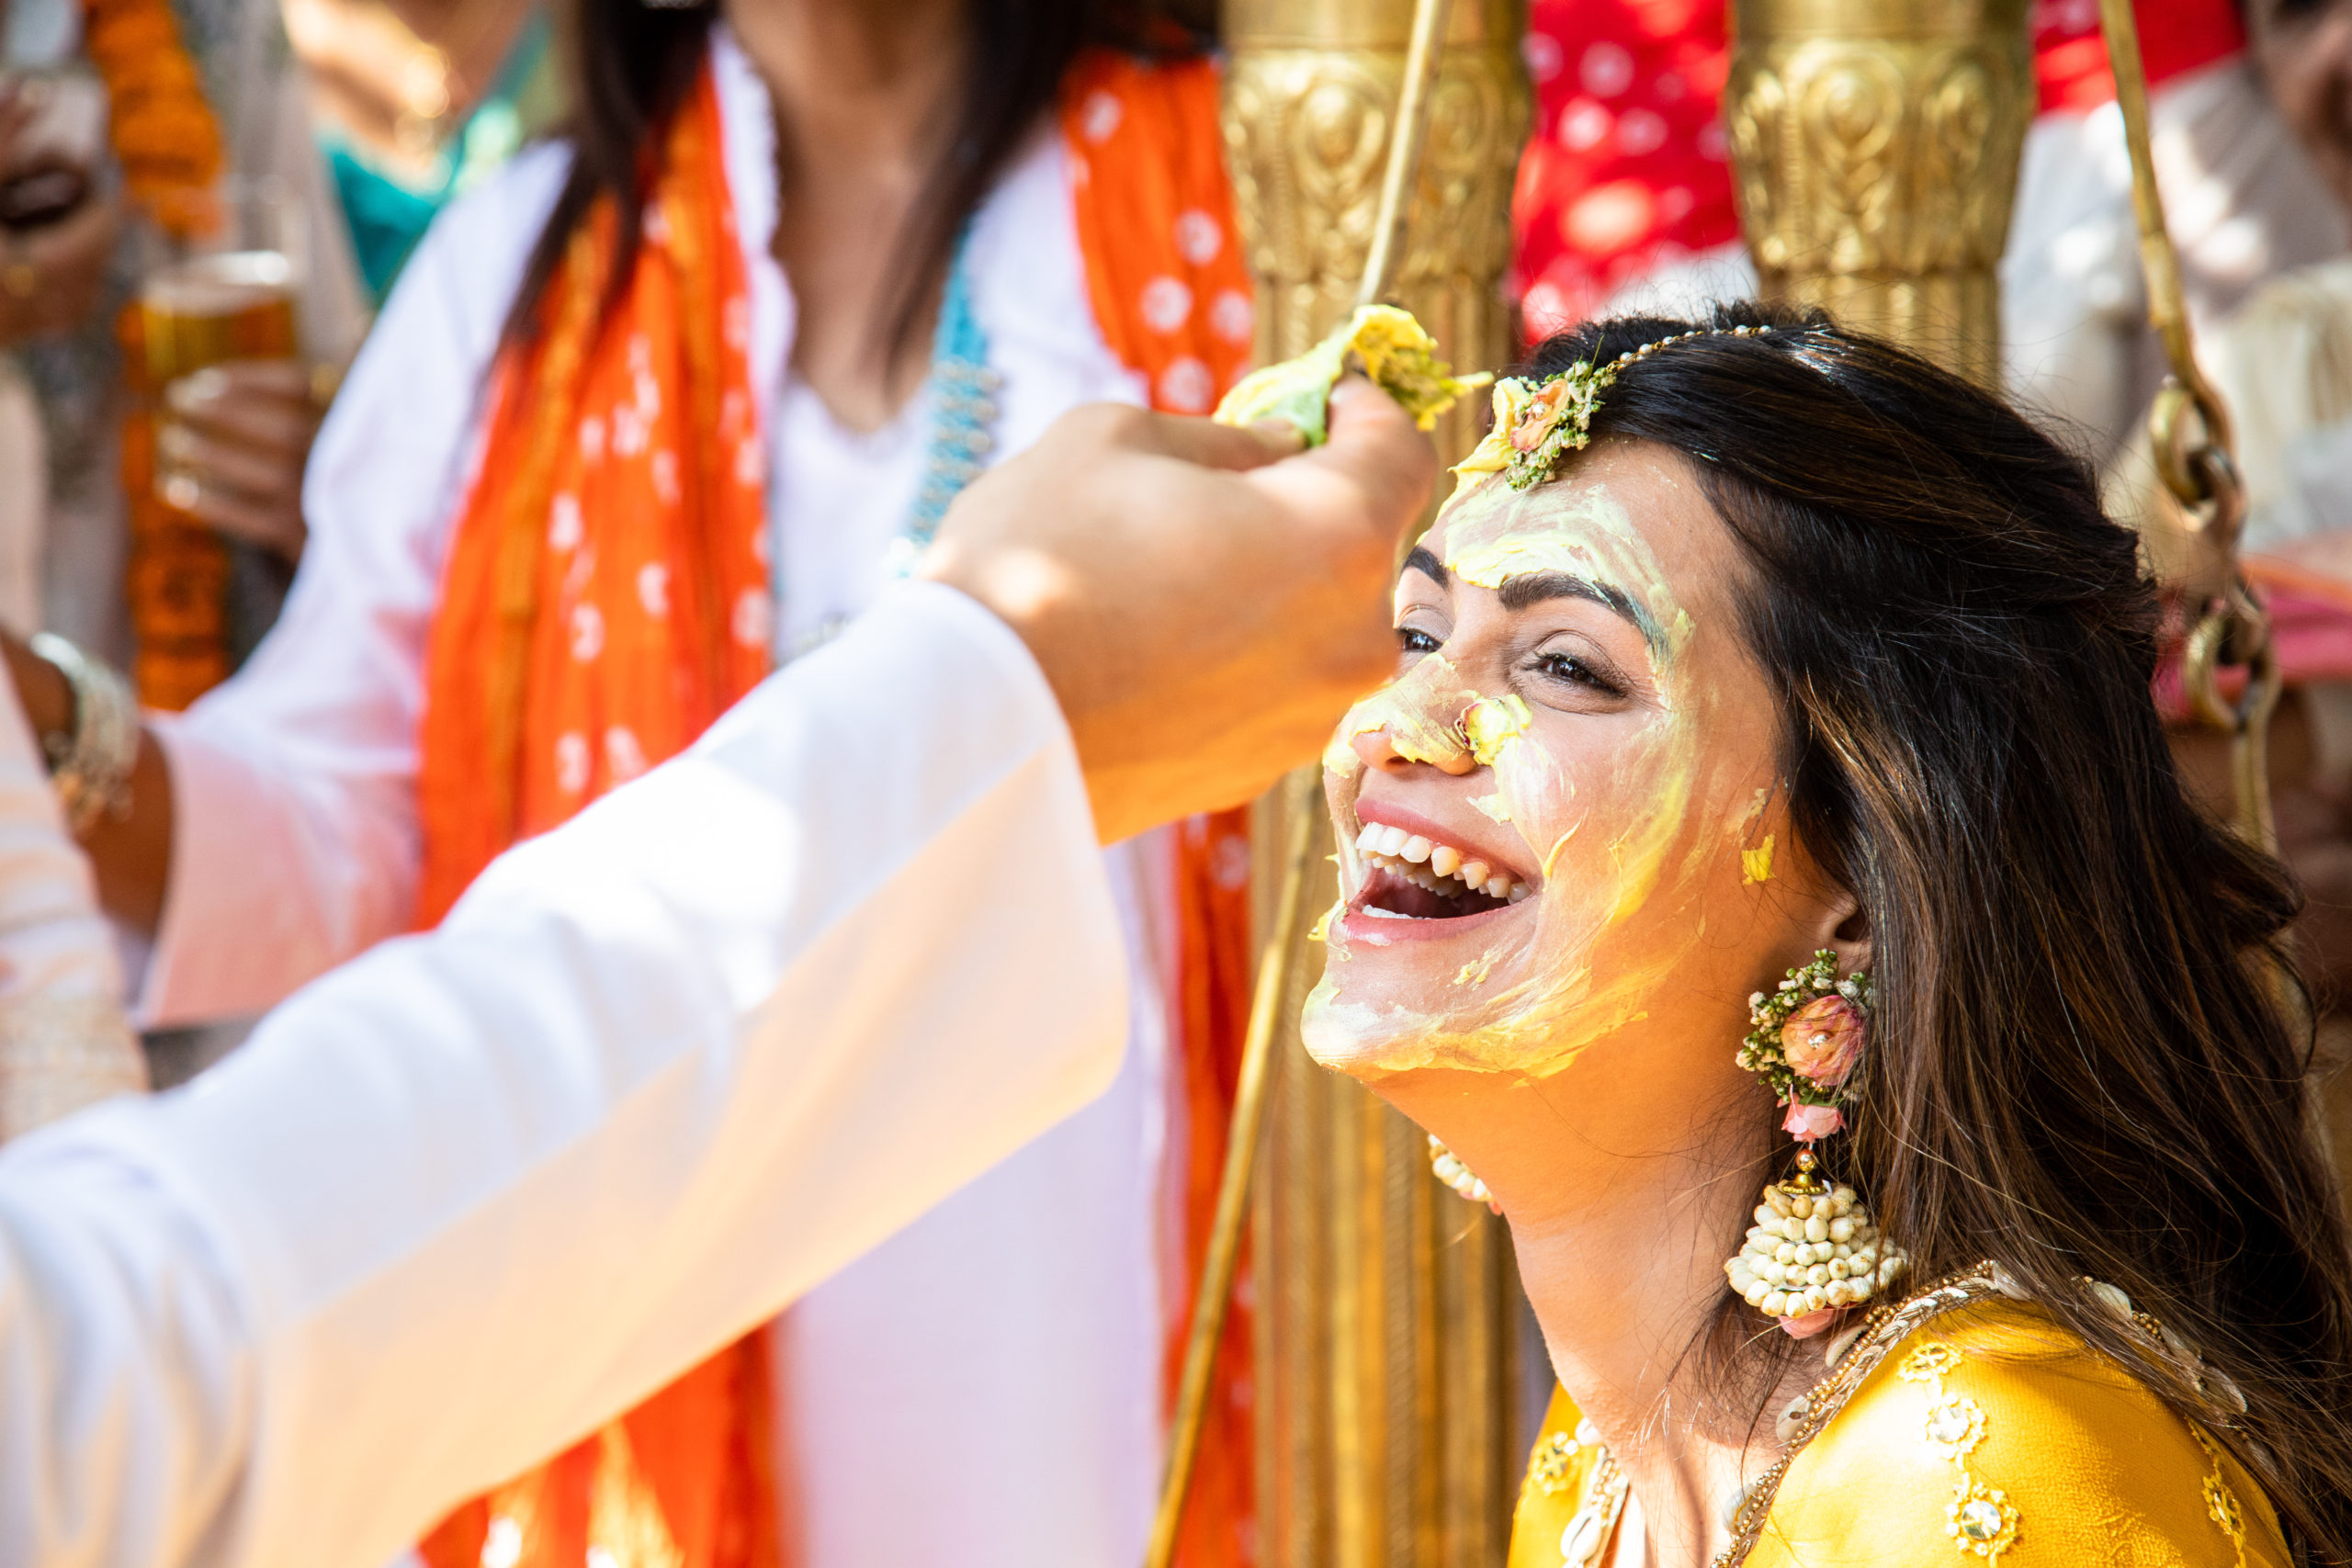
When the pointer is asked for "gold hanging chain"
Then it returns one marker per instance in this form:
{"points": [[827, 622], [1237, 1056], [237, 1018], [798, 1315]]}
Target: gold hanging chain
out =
{"points": [[1302, 794], [2189, 426]]}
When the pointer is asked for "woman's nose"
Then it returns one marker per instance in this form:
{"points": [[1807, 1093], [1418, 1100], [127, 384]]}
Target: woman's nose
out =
{"points": [[1379, 751]]}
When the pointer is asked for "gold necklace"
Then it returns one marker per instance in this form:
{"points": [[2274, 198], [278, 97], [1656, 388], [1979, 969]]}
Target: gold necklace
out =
{"points": [[1887, 1327], [1587, 1534]]}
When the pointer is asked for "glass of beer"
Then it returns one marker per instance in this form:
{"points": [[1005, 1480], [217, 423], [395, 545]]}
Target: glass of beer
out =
{"points": [[234, 305], [192, 314]]}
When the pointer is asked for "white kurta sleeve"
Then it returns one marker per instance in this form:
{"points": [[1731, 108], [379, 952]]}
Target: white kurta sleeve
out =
{"points": [[64, 1042], [659, 1072]]}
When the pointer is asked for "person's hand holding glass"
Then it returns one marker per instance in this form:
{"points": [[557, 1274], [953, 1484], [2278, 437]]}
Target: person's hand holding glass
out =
{"points": [[237, 404]]}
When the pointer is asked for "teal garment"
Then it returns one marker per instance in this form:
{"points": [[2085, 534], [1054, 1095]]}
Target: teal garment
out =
{"points": [[386, 215]]}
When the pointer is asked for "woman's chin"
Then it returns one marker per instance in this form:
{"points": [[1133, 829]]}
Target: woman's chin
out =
{"points": [[1360, 1039], [1369, 1030], [1401, 992]]}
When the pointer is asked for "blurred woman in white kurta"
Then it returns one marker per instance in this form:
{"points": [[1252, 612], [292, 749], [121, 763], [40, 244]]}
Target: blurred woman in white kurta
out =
{"points": [[989, 1384]]}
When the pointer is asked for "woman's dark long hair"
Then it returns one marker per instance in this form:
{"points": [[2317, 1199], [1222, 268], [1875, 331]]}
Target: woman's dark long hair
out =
{"points": [[2080, 1065], [629, 66]]}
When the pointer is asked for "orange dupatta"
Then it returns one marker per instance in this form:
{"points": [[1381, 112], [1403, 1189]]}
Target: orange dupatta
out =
{"points": [[605, 598]]}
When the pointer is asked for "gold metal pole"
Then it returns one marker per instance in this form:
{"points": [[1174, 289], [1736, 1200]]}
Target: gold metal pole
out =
{"points": [[2189, 426], [1405, 151], [1301, 791], [1216, 1293], [1385, 1319]]}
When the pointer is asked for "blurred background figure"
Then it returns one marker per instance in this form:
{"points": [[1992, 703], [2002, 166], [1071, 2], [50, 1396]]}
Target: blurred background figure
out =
{"points": [[417, 102], [59, 219], [207, 200], [1625, 196], [706, 371], [1626, 172], [327, 135]]}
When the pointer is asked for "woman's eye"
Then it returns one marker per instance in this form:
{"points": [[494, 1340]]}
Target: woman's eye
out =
{"points": [[1567, 667], [1412, 639]]}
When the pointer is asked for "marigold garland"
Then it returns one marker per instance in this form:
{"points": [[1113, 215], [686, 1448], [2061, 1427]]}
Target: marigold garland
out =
{"points": [[164, 132], [168, 141]]}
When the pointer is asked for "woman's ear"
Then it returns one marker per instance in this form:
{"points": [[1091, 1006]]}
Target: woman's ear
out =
{"points": [[1829, 913], [1847, 927]]}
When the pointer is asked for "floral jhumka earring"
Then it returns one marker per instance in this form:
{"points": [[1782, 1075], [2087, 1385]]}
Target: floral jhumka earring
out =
{"points": [[1813, 1249]]}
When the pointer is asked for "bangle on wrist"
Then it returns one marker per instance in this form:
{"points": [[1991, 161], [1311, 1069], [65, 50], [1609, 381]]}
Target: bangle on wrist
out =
{"points": [[90, 767]]}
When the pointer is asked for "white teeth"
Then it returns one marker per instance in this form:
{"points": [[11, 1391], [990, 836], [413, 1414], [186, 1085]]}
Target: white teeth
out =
{"points": [[1386, 914], [1441, 868]]}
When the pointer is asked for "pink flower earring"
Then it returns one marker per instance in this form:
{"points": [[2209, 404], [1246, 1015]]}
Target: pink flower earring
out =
{"points": [[1813, 1250]]}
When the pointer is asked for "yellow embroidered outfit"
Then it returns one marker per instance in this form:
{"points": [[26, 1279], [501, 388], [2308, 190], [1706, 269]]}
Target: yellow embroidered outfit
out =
{"points": [[1989, 1435]]}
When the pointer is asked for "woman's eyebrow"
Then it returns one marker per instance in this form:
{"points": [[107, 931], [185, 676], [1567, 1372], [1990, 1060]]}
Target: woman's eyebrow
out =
{"points": [[1532, 588], [1420, 561]]}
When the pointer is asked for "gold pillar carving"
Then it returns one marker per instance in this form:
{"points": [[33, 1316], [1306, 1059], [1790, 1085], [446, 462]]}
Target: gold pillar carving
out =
{"points": [[1310, 96], [1385, 1305], [1875, 147]]}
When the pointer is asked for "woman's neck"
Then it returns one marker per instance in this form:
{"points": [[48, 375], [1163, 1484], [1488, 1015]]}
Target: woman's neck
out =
{"points": [[1621, 1238], [867, 95]]}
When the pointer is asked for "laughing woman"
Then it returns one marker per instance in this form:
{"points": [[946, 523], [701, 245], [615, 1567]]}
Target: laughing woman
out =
{"points": [[1772, 759]]}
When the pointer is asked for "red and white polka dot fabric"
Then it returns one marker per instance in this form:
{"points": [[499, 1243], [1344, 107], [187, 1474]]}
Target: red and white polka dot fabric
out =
{"points": [[1627, 168]]}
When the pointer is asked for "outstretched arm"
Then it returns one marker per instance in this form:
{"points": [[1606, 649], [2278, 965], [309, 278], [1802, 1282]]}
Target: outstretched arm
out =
{"points": [[659, 1073], [667, 1067]]}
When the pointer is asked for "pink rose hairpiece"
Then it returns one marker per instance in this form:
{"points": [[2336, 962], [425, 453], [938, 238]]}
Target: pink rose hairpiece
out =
{"points": [[1537, 421]]}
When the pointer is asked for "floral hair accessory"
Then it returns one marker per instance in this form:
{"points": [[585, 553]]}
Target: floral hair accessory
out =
{"points": [[1537, 421], [1807, 1040]]}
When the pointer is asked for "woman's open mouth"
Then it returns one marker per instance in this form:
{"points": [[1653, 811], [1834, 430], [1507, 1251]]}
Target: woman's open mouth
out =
{"points": [[1413, 880]]}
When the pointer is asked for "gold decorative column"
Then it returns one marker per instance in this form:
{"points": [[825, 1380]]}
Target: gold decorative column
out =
{"points": [[1385, 1305], [1875, 146]]}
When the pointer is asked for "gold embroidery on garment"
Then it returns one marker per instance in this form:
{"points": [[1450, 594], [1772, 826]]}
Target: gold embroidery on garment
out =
{"points": [[2221, 1503], [1980, 1519], [1585, 1536], [1956, 1425], [1548, 1468]]}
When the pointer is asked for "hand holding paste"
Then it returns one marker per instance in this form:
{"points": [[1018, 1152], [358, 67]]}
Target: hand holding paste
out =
{"points": [[1389, 347]]}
